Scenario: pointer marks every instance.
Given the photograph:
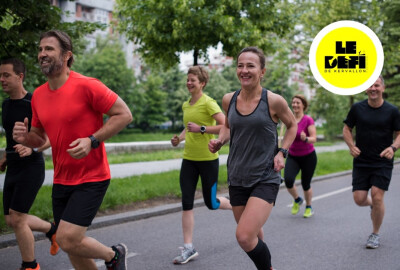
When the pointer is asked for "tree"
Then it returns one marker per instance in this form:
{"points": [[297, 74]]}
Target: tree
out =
{"points": [[152, 111], [21, 24], [163, 29], [174, 84], [107, 62]]}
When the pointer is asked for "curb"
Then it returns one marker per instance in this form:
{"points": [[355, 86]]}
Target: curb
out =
{"points": [[8, 240]]}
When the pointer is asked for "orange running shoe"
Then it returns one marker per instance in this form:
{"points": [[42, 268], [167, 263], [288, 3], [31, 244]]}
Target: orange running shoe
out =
{"points": [[54, 248], [36, 268]]}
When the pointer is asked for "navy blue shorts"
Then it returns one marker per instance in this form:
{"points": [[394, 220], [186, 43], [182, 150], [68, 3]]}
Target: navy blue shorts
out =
{"points": [[366, 177], [78, 204], [240, 195]]}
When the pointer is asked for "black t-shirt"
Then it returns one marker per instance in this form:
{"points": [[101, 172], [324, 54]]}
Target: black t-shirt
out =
{"points": [[374, 132], [14, 110]]}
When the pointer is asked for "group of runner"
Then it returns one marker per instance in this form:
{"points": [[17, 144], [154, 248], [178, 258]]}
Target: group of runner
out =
{"points": [[67, 113]]}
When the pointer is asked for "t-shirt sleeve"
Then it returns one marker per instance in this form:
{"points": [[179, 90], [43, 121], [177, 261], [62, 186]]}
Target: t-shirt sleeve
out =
{"points": [[102, 98], [310, 121], [396, 120], [212, 107], [35, 122], [350, 120]]}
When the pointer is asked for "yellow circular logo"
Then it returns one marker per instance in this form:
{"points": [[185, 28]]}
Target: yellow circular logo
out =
{"points": [[346, 57]]}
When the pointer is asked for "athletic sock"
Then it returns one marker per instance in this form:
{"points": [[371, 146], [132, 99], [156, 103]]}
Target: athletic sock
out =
{"points": [[32, 264], [52, 230], [261, 256], [298, 199], [308, 206], [188, 246]]}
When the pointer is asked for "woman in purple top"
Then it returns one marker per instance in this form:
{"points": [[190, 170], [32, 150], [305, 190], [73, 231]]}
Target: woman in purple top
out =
{"points": [[301, 157]]}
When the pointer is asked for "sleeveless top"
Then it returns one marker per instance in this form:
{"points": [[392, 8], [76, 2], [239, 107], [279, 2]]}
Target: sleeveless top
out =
{"points": [[253, 145]]}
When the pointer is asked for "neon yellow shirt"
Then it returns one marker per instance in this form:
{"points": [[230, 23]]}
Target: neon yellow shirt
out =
{"points": [[196, 145]]}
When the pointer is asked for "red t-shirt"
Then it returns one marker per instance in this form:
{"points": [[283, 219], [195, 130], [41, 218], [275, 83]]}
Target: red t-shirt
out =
{"points": [[73, 111]]}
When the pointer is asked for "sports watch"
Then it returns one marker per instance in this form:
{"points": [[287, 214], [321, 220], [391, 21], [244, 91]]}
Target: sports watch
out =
{"points": [[284, 151], [95, 142], [202, 129]]}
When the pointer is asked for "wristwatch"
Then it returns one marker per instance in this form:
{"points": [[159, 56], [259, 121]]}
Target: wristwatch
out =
{"points": [[284, 151], [202, 129], [394, 148], [95, 142]]}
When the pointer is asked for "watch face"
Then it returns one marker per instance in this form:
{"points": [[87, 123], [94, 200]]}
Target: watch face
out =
{"points": [[202, 128]]}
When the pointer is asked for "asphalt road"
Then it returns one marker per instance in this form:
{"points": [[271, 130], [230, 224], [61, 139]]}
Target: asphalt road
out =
{"points": [[334, 238]]}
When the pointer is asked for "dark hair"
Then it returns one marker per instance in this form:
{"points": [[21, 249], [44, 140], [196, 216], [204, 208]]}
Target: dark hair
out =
{"points": [[303, 100], [18, 65], [200, 72], [256, 51], [63, 39]]}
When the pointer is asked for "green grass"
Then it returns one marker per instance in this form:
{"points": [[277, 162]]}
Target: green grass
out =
{"points": [[133, 189]]}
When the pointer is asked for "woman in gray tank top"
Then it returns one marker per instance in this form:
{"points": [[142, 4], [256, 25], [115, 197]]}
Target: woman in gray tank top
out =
{"points": [[254, 161]]}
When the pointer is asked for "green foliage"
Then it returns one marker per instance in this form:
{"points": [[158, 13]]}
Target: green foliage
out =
{"points": [[107, 63], [163, 29], [21, 24], [217, 87], [174, 84], [153, 107]]}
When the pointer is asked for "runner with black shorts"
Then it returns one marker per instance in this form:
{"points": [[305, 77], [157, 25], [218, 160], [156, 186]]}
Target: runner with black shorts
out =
{"points": [[202, 118], [25, 167], [69, 108], [376, 122], [254, 160]]}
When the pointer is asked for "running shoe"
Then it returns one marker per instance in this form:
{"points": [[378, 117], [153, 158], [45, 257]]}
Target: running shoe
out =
{"points": [[54, 248], [186, 255], [36, 268], [373, 241], [296, 206], [309, 212], [119, 262]]}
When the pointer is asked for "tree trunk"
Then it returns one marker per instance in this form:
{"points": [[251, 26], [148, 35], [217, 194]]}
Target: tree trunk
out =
{"points": [[195, 56]]}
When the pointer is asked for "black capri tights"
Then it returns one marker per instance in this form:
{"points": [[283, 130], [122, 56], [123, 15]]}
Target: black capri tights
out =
{"points": [[189, 176], [307, 166]]}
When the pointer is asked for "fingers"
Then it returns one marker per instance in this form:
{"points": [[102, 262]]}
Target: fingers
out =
{"points": [[80, 148]]}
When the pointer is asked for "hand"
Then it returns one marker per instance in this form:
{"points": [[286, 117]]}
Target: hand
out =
{"points": [[193, 127], [279, 162], [355, 151], [175, 140], [214, 145], [80, 148], [387, 153], [3, 164], [303, 136], [20, 131], [23, 151]]}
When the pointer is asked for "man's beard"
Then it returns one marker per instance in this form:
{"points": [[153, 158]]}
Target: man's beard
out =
{"points": [[54, 67]]}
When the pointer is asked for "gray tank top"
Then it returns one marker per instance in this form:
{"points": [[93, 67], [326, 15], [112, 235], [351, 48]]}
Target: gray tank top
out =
{"points": [[253, 145]]}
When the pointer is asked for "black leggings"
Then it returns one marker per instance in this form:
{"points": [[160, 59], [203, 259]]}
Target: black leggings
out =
{"points": [[307, 166], [189, 176]]}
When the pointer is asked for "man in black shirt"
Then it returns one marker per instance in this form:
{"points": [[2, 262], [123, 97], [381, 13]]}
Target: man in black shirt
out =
{"points": [[376, 121], [25, 167]]}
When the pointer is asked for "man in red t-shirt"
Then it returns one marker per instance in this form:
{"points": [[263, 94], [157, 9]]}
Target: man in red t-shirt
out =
{"points": [[69, 108]]}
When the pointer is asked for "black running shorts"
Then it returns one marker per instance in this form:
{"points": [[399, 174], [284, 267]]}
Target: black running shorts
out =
{"points": [[366, 177], [240, 195], [22, 183], [78, 204]]}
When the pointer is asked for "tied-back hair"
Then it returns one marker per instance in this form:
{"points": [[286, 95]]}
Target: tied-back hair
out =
{"points": [[256, 51], [303, 100], [63, 39]]}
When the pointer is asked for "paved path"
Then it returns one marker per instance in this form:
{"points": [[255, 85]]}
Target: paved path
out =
{"points": [[151, 167]]}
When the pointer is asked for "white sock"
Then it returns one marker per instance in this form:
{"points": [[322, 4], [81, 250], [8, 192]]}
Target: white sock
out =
{"points": [[188, 246]]}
